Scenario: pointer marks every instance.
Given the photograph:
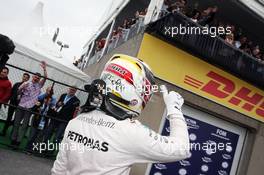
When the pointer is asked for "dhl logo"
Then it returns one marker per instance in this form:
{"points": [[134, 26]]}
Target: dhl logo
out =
{"points": [[225, 89]]}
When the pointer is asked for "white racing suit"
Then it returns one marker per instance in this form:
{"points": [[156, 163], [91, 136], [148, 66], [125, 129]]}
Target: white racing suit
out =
{"points": [[95, 143]]}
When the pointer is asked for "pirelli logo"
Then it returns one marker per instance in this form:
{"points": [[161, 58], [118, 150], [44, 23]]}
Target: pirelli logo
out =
{"points": [[224, 88]]}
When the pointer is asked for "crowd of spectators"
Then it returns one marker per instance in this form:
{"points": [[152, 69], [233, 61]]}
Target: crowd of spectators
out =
{"points": [[207, 18], [120, 31], [39, 112], [79, 63]]}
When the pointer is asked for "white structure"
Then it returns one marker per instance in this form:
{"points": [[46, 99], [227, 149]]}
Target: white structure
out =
{"points": [[28, 59], [32, 48]]}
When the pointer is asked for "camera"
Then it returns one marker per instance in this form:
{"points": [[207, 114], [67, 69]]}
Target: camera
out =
{"points": [[7, 47]]}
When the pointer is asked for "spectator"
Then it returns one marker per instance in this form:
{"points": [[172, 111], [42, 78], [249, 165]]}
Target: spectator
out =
{"points": [[178, 6], [247, 47], [100, 44], [133, 21], [247, 50], [250, 45], [30, 92], [79, 65], [232, 28], [66, 108], [5, 86], [230, 38], [164, 8], [137, 15], [125, 24], [96, 48], [143, 13], [256, 51], [75, 63], [259, 57], [44, 106], [14, 100], [196, 16], [167, 4], [220, 24], [116, 34], [208, 16], [242, 40]]}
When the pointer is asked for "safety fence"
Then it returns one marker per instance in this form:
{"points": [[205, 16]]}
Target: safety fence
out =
{"points": [[59, 88]]}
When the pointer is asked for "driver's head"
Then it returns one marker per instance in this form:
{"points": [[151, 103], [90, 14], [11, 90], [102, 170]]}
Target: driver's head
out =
{"points": [[129, 79]]}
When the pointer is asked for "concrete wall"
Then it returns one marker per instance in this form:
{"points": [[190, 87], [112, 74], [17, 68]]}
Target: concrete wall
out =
{"points": [[252, 159], [256, 160]]}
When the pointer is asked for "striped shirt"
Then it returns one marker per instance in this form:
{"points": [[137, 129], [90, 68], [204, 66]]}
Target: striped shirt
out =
{"points": [[30, 95]]}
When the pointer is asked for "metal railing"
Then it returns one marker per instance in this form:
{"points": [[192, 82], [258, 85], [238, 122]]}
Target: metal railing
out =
{"points": [[211, 49], [116, 41], [15, 75]]}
